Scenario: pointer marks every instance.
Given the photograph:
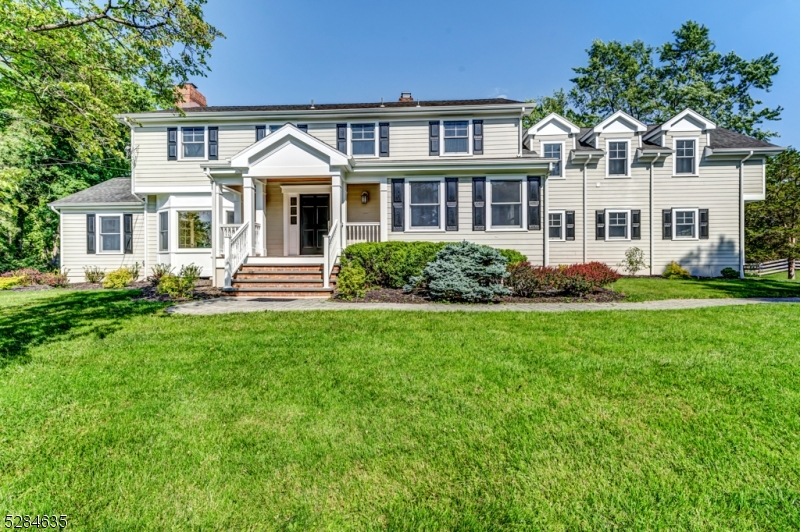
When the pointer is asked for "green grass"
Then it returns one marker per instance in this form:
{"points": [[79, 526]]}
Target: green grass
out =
{"points": [[654, 288], [125, 418]]}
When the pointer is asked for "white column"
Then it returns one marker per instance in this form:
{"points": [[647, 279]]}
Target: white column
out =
{"points": [[344, 214], [216, 245], [248, 209], [546, 221], [336, 203], [384, 214], [261, 218]]}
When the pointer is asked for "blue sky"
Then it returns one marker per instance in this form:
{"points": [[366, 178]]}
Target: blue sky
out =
{"points": [[352, 51]]}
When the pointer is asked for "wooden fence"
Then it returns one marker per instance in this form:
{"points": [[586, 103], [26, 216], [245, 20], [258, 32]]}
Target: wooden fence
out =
{"points": [[766, 268]]}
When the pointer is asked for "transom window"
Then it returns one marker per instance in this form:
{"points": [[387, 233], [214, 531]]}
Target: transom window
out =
{"points": [[456, 136], [194, 229], [194, 142], [618, 225], [424, 204], [553, 151], [684, 156], [618, 158], [686, 224], [111, 234], [363, 139], [506, 203], [556, 225]]}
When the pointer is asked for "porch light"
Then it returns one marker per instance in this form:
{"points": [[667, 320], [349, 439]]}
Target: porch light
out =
{"points": [[364, 197]]}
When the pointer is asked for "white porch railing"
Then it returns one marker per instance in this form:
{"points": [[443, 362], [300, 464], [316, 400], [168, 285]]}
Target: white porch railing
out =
{"points": [[331, 248], [362, 232], [228, 230], [237, 249]]}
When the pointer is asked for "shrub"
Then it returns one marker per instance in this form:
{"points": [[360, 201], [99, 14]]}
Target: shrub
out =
{"points": [[56, 280], [93, 275], [119, 278], [352, 282], [634, 261], [179, 286], [7, 282], [190, 273], [157, 272], [464, 272], [134, 269], [513, 256], [525, 280], [729, 273], [391, 264], [675, 271], [29, 276]]}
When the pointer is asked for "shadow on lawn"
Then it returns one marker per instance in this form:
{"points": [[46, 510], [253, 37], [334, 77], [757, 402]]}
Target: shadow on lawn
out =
{"points": [[750, 287], [97, 313]]}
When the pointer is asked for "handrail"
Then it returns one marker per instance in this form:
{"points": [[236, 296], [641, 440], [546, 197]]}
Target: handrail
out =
{"points": [[237, 249], [331, 247]]}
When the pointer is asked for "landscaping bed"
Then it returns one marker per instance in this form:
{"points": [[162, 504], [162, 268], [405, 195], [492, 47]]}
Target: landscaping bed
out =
{"points": [[396, 295], [202, 290]]}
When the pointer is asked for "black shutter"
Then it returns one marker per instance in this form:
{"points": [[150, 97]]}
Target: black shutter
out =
{"points": [[636, 225], [172, 143], [534, 203], [451, 203], [398, 204], [341, 138], [477, 137], [666, 216], [704, 224], [91, 235], [570, 223], [478, 203], [261, 132], [383, 151], [433, 134], [127, 223], [600, 225], [213, 143], [303, 127]]}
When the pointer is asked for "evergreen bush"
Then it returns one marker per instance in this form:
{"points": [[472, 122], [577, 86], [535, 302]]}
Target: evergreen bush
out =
{"points": [[351, 282], [119, 278], [513, 256], [157, 272], [676, 271], [729, 273]]}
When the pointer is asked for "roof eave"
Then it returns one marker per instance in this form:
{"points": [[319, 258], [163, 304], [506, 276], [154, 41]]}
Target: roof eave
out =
{"points": [[58, 205], [727, 152]]}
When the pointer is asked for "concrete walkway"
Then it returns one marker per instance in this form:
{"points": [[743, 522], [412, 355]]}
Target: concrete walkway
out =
{"points": [[226, 305]]}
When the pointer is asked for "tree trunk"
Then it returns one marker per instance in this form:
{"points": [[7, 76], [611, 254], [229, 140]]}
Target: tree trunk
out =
{"points": [[791, 269], [19, 238]]}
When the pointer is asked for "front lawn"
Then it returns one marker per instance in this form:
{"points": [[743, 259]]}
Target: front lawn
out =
{"points": [[123, 417], [655, 288]]}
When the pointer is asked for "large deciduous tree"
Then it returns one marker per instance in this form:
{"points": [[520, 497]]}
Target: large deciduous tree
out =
{"points": [[66, 68]]}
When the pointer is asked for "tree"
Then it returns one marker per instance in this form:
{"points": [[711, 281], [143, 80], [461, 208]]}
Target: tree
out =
{"points": [[773, 226]]}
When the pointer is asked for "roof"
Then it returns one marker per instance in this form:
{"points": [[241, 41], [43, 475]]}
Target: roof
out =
{"points": [[341, 106], [114, 191], [725, 138]]}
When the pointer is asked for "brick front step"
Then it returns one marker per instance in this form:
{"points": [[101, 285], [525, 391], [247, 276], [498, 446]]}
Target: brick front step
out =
{"points": [[275, 283], [294, 276], [256, 268], [279, 293]]}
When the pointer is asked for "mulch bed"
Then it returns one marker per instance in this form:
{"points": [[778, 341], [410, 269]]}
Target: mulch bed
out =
{"points": [[202, 290], [396, 295]]}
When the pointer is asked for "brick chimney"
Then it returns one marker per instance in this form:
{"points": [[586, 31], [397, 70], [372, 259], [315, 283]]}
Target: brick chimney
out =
{"points": [[191, 96], [405, 97]]}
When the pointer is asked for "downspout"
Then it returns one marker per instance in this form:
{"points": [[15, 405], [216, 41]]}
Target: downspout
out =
{"points": [[584, 214], [741, 214], [652, 220]]}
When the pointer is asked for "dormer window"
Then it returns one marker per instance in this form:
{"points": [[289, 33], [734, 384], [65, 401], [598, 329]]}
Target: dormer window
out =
{"points": [[553, 151], [456, 136], [685, 156], [618, 158], [193, 141]]}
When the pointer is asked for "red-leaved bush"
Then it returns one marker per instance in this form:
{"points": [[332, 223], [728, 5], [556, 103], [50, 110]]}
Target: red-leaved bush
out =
{"points": [[526, 280], [31, 276]]}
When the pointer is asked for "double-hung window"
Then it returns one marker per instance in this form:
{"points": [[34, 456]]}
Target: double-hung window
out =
{"points": [[110, 233], [163, 231], [553, 151], [618, 225], [425, 204], [506, 203], [685, 156], [194, 142], [618, 158], [685, 224], [456, 136], [362, 137], [555, 223], [194, 229]]}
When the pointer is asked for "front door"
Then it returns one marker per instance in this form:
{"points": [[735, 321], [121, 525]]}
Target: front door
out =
{"points": [[314, 218]]}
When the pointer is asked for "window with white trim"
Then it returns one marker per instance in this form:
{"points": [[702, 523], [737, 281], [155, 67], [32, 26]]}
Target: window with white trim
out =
{"points": [[193, 140], [163, 231], [362, 139], [456, 136], [110, 233], [424, 204], [506, 203], [553, 151], [194, 229], [685, 156], [685, 224], [618, 225], [618, 158], [555, 224]]}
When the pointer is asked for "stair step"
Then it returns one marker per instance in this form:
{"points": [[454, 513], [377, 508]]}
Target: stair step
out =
{"points": [[279, 293], [282, 267], [296, 276], [270, 284]]}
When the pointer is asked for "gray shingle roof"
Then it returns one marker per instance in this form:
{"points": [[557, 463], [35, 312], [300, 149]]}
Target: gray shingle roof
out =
{"points": [[115, 190], [340, 106], [724, 138]]}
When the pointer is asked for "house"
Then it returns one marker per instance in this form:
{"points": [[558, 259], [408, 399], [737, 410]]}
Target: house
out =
{"points": [[265, 198]]}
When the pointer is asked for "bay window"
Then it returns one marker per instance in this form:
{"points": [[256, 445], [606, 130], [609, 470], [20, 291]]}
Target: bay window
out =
{"points": [[194, 229]]}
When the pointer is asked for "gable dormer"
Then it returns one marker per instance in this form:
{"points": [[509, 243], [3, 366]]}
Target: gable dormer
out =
{"points": [[618, 136], [686, 135], [553, 137]]}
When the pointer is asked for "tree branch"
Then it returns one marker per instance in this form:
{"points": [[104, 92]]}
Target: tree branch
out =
{"points": [[106, 14]]}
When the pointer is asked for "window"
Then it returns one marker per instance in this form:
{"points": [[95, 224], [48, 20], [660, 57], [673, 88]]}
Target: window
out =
{"points": [[194, 142], [363, 139], [684, 157], [230, 217], [456, 137], [618, 225], [424, 204], [555, 222], [686, 224], [618, 158], [163, 231], [553, 151], [275, 127], [194, 229], [111, 234], [293, 210], [506, 203]]}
